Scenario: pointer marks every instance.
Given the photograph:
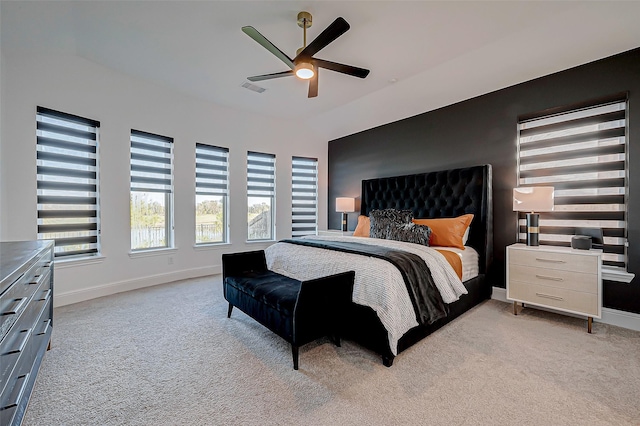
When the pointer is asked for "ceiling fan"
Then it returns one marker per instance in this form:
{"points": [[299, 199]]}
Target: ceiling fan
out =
{"points": [[304, 65]]}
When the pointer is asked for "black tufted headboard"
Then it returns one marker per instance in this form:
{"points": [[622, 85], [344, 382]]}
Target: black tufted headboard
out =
{"points": [[447, 193]]}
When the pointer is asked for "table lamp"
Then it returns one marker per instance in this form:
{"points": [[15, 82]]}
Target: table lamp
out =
{"points": [[345, 205], [533, 199]]}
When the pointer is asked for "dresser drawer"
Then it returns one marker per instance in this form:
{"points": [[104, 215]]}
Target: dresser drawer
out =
{"points": [[555, 260], [15, 299], [557, 278], [16, 342], [561, 298], [26, 286], [17, 380], [13, 399], [10, 309], [42, 329], [14, 345]]}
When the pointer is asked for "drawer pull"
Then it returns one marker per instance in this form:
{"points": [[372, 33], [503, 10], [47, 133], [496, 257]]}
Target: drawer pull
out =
{"points": [[39, 278], [46, 327], [46, 295], [22, 344], [549, 296], [18, 397], [541, 259], [17, 306], [545, 277]]}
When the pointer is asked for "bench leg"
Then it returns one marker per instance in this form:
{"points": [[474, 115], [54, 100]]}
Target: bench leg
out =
{"points": [[294, 351], [387, 361], [229, 311], [335, 338]]}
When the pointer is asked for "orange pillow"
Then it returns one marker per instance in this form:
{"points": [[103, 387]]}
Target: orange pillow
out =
{"points": [[447, 232], [362, 229]]}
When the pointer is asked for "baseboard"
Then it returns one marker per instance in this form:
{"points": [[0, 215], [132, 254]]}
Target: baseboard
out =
{"points": [[499, 293], [67, 298], [610, 316], [624, 319]]}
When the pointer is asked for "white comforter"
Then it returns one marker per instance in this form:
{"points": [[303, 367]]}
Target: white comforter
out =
{"points": [[378, 284]]}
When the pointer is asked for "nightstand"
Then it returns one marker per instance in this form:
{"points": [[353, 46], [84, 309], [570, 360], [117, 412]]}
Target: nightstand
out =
{"points": [[558, 278], [335, 232]]}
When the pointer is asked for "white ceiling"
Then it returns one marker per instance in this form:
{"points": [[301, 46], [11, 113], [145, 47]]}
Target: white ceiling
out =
{"points": [[439, 52]]}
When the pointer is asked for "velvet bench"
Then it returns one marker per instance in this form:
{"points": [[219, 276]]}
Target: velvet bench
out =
{"points": [[298, 311]]}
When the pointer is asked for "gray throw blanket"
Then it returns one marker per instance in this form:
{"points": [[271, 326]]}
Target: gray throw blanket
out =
{"points": [[424, 295]]}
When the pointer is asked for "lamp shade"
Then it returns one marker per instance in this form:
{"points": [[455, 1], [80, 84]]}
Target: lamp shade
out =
{"points": [[533, 199], [345, 204]]}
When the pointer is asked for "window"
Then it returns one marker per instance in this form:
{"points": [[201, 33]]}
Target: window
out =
{"points": [[211, 193], [304, 196], [67, 182], [151, 191], [581, 152], [261, 172]]}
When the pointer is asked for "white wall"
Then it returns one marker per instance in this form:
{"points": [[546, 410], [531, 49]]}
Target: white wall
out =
{"points": [[2, 180], [120, 102]]}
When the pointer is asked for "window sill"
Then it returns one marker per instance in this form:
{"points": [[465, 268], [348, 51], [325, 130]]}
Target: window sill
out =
{"points": [[211, 246], [154, 252], [260, 241], [72, 263], [611, 273]]}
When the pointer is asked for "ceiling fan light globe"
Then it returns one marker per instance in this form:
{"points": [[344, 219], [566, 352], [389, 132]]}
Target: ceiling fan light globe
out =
{"points": [[304, 70]]}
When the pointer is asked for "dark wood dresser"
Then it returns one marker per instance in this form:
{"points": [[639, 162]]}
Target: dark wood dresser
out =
{"points": [[26, 321]]}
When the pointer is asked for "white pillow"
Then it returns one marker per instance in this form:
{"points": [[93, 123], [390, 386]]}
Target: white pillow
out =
{"points": [[465, 237]]}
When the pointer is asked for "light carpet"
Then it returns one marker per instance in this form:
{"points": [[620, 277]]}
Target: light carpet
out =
{"points": [[167, 355]]}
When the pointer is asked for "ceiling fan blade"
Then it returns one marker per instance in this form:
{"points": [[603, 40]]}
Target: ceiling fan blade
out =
{"points": [[345, 69], [332, 32], [270, 76], [313, 85], [262, 40]]}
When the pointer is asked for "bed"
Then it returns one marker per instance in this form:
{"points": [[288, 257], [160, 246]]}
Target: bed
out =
{"points": [[379, 318]]}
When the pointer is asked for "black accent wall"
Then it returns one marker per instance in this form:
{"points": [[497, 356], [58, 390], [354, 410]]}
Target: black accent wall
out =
{"points": [[483, 130]]}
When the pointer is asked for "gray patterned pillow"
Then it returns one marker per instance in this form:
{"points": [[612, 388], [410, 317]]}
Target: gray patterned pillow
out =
{"points": [[410, 233], [383, 220]]}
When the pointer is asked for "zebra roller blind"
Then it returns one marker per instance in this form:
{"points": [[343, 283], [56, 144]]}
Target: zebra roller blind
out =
{"points": [[211, 170], [261, 169], [261, 173], [151, 194], [67, 182], [151, 165], [304, 196], [582, 153]]}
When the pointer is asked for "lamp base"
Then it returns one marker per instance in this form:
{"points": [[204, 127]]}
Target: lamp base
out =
{"points": [[533, 229], [344, 222]]}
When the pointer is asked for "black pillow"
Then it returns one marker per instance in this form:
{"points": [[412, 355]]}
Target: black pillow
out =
{"points": [[383, 220], [410, 233]]}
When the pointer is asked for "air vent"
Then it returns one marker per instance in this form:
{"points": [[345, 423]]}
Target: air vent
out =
{"points": [[253, 87]]}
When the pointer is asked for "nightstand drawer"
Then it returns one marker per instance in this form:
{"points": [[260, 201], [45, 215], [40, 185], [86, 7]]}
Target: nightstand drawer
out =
{"points": [[557, 278], [574, 301], [555, 260]]}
